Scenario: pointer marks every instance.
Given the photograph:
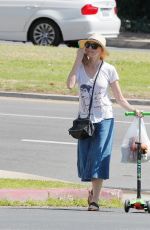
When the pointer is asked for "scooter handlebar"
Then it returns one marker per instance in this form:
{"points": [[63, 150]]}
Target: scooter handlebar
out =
{"points": [[134, 114]]}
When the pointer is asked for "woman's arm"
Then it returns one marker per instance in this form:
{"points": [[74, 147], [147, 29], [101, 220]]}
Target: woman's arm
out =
{"points": [[120, 98], [71, 81]]}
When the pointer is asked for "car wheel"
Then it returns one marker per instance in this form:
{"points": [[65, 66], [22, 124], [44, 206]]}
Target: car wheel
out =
{"points": [[45, 32]]}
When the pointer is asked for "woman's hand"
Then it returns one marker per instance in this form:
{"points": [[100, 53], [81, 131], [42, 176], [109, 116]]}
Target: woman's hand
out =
{"points": [[80, 55], [138, 113], [71, 80]]}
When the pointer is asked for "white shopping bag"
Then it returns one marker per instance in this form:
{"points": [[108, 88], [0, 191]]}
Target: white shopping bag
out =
{"points": [[129, 148]]}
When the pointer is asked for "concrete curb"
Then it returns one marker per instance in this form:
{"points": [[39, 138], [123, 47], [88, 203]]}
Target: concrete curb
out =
{"points": [[39, 96], [59, 193], [63, 97]]}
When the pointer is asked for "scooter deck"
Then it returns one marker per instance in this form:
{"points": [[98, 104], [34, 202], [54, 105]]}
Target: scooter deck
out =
{"points": [[138, 203]]}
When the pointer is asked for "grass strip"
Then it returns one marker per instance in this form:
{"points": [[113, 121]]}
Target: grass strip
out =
{"points": [[29, 68], [51, 202], [36, 184]]}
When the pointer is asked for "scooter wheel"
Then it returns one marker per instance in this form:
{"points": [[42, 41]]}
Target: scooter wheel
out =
{"points": [[127, 205], [148, 206]]}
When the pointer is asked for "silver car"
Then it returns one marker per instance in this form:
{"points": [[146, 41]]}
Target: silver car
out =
{"points": [[51, 22]]}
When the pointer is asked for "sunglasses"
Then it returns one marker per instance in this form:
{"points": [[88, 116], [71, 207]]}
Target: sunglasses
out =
{"points": [[94, 46]]}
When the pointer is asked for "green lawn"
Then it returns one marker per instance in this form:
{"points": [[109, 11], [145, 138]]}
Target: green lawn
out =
{"points": [[29, 68], [36, 184]]}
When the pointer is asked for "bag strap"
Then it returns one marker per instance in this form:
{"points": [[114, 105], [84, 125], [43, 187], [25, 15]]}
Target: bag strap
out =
{"points": [[91, 100]]}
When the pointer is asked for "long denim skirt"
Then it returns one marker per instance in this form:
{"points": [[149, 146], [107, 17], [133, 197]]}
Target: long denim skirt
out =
{"points": [[94, 152]]}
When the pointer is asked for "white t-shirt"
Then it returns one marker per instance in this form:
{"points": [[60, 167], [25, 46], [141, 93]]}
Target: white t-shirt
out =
{"points": [[101, 105]]}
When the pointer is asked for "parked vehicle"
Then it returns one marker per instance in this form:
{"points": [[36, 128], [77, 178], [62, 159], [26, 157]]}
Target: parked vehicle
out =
{"points": [[51, 22]]}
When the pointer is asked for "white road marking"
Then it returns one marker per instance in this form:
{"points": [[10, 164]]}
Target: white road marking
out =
{"points": [[51, 117], [55, 117], [34, 116], [48, 142]]}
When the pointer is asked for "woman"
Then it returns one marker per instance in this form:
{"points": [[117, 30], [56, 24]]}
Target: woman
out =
{"points": [[94, 152]]}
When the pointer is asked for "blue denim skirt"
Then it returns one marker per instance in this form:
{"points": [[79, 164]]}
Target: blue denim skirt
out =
{"points": [[94, 152]]}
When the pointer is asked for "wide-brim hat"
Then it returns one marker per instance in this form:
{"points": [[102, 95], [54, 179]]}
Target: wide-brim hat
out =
{"points": [[97, 38]]}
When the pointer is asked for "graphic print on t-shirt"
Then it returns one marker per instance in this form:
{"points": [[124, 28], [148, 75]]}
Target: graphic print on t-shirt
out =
{"points": [[97, 100], [86, 91]]}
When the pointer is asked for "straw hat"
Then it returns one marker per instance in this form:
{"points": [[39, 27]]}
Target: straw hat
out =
{"points": [[97, 38]]}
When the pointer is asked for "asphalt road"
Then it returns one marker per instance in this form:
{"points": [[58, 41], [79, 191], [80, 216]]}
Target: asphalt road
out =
{"points": [[74, 218], [34, 139]]}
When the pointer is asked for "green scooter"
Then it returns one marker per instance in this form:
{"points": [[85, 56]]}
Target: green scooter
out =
{"points": [[138, 203]]}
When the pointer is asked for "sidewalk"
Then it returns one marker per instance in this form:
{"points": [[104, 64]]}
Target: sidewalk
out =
{"points": [[130, 40]]}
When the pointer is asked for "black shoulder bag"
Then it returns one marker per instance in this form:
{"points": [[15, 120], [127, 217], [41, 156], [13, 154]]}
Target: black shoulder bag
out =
{"points": [[83, 127]]}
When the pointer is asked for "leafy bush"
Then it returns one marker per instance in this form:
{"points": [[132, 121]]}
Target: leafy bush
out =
{"points": [[135, 15]]}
